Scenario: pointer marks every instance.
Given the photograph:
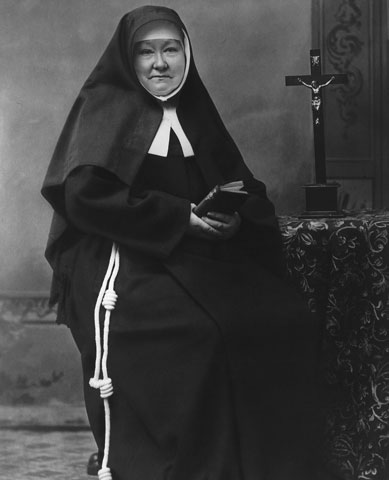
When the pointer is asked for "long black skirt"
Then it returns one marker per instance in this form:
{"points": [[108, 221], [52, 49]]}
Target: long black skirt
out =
{"points": [[213, 367]]}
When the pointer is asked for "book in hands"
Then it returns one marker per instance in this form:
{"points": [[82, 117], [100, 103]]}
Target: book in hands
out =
{"points": [[227, 198]]}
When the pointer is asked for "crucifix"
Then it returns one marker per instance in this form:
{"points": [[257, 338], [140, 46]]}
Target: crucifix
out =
{"points": [[321, 197]]}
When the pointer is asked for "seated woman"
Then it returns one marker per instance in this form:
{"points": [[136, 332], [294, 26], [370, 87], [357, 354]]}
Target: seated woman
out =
{"points": [[210, 354]]}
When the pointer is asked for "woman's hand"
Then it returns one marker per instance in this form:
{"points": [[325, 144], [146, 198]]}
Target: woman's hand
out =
{"points": [[214, 226], [226, 225]]}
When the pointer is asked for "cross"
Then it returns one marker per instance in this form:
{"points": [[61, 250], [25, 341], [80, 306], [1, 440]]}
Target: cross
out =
{"points": [[316, 81]]}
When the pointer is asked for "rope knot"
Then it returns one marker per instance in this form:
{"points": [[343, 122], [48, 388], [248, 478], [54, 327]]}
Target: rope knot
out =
{"points": [[104, 474], [106, 388], [109, 300], [94, 383], [104, 384]]}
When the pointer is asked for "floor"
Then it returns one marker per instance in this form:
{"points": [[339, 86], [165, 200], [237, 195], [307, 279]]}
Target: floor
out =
{"points": [[55, 455]]}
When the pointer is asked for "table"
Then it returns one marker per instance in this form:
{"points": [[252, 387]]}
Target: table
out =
{"points": [[341, 266]]}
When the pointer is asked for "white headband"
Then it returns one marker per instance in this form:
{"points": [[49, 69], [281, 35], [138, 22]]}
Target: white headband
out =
{"points": [[158, 29]]}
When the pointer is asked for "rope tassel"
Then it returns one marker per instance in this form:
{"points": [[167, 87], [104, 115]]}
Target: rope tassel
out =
{"points": [[107, 298]]}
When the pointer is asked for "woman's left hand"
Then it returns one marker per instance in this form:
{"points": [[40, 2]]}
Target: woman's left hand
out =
{"points": [[226, 225]]}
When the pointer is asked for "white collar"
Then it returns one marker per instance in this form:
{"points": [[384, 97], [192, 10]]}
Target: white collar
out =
{"points": [[160, 145]]}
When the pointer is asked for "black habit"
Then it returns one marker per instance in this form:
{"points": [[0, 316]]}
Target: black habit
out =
{"points": [[211, 354]]}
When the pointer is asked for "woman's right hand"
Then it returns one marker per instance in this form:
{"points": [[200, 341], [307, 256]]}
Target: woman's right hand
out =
{"points": [[200, 229], [214, 226]]}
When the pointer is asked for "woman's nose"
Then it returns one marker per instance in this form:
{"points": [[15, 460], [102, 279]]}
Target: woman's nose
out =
{"points": [[159, 62]]}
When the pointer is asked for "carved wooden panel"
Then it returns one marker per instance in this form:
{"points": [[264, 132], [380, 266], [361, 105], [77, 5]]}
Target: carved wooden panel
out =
{"points": [[352, 35]]}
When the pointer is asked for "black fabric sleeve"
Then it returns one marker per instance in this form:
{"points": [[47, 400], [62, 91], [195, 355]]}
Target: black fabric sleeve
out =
{"points": [[152, 222]]}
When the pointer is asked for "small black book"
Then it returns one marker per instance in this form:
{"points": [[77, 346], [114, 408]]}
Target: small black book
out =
{"points": [[227, 198]]}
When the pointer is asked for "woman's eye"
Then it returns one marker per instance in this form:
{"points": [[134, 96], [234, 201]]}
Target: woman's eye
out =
{"points": [[171, 50], [145, 51]]}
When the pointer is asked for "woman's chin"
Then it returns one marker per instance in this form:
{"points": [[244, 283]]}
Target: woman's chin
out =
{"points": [[161, 89], [162, 92]]}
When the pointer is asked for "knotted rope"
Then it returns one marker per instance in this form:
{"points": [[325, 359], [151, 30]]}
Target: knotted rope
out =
{"points": [[107, 297]]}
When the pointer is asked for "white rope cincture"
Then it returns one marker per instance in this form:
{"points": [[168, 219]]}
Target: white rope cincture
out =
{"points": [[107, 297]]}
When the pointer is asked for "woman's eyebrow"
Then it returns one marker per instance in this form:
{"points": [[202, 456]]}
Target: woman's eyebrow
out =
{"points": [[173, 41], [143, 42], [150, 42]]}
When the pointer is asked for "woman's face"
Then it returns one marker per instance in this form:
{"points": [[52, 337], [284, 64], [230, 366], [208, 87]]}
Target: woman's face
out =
{"points": [[159, 64]]}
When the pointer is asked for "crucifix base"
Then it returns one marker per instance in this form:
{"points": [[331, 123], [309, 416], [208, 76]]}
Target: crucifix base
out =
{"points": [[321, 200]]}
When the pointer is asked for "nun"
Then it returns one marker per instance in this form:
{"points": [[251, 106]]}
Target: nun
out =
{"points": [[198, 359]]}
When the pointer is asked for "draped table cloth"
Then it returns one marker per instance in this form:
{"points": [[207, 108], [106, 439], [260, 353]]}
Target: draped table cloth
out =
{"points": [[341, 266]]}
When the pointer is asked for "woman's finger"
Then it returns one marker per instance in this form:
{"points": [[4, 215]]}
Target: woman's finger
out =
{"points": [[210, 230], [216, 224], [222, 217], [198, 227], [224, 222]]}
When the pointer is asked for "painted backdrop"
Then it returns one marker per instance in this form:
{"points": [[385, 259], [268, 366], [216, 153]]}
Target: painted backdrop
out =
{"points": [[243, 50]]}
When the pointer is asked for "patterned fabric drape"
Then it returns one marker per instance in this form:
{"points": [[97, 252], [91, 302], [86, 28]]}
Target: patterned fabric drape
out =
{"points": [[341, 267]]}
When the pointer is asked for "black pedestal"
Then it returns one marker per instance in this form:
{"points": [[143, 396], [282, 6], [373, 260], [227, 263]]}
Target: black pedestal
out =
{"points": [[321, 200]]}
